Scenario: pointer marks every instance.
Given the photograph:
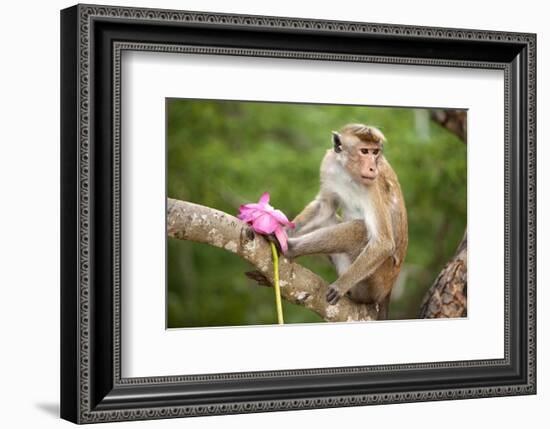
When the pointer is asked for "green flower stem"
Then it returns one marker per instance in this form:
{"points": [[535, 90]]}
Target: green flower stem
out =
{"points": [[277, 288]]}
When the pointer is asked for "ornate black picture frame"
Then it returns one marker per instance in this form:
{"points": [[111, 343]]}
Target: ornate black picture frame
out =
{"points": [[92, 38]]}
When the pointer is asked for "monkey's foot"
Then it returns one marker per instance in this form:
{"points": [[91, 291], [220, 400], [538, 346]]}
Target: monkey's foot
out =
{"points": [[333, 295]]}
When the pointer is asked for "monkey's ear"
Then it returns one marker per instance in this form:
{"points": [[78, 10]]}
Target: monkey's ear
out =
{"points": [[336, 142]]}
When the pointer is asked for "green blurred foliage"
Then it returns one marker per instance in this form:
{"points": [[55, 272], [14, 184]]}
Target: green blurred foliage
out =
{"points": [[224, 153]]}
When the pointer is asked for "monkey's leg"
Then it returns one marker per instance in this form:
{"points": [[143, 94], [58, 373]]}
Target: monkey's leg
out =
{"points": [[315, 215], [344, 237], [304, 218], [363, 267], [383, 308]]}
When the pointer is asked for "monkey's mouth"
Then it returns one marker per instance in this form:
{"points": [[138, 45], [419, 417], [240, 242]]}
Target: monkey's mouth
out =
{"points": [[369, 178]]}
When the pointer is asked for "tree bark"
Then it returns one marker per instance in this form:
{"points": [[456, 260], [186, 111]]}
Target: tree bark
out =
{"points": [[453, 120], [447, 297], [188, 221]]}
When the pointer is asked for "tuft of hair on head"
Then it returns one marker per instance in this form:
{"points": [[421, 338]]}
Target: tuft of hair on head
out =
{"points": [[365, 133]]}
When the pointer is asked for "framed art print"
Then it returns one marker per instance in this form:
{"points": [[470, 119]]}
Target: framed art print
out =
{"points": [[267, 213]]}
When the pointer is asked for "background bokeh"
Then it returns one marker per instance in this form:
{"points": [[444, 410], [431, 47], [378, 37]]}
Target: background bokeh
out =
{"points": [[225, 153]]}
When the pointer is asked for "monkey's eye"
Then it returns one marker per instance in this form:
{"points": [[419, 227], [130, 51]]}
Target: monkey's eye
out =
{"points": [[375, 151], [364, 151]]}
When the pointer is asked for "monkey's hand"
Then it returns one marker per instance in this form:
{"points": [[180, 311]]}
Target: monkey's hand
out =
{"points": [[333, 294], [292, 232], [291, 251]]}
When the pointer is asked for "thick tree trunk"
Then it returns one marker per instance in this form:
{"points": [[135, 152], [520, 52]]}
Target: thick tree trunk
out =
{"points": [[453, 120], [447, 296], [188, 221]]}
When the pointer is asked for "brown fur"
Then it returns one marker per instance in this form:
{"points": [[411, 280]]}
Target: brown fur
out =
{"points": [[369, 245]]}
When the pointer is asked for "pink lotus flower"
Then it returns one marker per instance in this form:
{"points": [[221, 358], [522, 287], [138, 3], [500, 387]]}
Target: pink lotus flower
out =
{"points": [[264, 219]]}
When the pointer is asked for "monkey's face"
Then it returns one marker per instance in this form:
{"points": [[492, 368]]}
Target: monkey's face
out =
{"points": [[358, 156], [365, 161], [361, 161]]}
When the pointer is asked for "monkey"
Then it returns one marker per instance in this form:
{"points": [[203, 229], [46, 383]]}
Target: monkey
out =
{"points": [[367, 242]]}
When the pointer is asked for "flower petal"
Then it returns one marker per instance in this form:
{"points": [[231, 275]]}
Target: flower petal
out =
{"points": [[281, 218], [246, 209], [264, 199], [265, 224], [280, 233], [245, 216], [250, 215], [251, 206], [263, 217]]}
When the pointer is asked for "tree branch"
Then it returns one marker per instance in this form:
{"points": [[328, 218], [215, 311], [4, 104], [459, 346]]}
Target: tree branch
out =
{"points": [[188, 221], [447, 296], [453, 120]]}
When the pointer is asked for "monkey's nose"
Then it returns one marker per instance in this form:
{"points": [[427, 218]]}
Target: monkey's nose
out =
{"points": [[369, 174]]}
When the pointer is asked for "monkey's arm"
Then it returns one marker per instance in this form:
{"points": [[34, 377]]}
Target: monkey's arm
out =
{"points": [[364, 266], [344, 237], [316, 214]]}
